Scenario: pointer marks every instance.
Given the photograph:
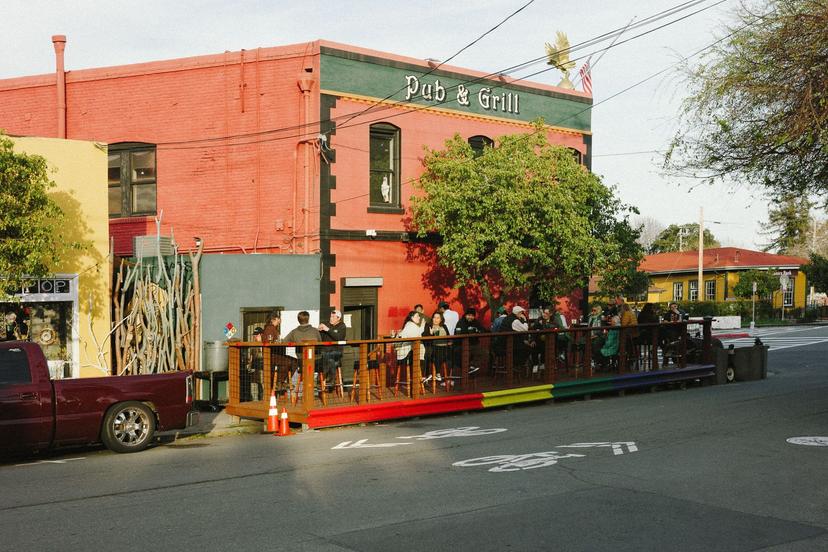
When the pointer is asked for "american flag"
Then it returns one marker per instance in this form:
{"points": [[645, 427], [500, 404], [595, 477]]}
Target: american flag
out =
{"points": [[586, 77]]}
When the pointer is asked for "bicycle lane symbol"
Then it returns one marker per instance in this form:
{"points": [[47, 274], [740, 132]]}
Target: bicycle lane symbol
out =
{"points": [[470, 431], [521, 462]]}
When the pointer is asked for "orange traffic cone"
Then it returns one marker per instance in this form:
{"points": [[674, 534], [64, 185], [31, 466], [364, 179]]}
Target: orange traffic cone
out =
{"points": [[273, 415], [284, 423]]}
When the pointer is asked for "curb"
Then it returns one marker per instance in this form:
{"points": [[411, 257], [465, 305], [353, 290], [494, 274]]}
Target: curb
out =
{"points": [[252, 428]]}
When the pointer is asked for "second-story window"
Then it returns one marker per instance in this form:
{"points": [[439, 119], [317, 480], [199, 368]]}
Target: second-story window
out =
{"points": [[479, 143], [385, 166], [577, 155], [132, 180]]}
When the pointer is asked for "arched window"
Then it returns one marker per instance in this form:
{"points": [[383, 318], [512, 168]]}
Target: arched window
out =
{"points": [[132, 179], [479, 142], [385, 166], [579, 157]]}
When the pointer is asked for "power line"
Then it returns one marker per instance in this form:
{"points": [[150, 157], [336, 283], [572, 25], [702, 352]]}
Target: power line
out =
{"points": [[599, 38], [697, 52], [430, 71], [626, 153]]}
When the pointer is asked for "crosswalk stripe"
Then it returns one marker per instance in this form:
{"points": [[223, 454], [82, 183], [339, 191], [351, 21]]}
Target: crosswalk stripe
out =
{"points": [[776, 343]]}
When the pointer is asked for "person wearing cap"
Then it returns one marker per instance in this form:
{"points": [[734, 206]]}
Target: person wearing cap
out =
{"points": [[334, 330], [517, 322]]}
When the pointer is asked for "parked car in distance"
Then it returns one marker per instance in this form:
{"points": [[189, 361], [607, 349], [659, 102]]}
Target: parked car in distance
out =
{"points": [[123, 412]]}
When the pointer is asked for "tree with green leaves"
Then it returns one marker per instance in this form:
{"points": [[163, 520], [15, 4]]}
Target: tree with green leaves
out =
{"points": [[817, 272], [758, 107], [522, 216], [789, 225], [684, 237], [767, 282], [30, 220]]}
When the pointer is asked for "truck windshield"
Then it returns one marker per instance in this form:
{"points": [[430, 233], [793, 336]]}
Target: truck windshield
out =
{"points": [[14, 367]]}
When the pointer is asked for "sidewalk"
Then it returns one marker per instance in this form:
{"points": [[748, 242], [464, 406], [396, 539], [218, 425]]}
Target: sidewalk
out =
{"points": [[215, 424]]}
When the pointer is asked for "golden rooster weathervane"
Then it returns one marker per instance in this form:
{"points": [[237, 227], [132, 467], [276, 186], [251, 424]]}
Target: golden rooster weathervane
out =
{"points": [[558, 57]]}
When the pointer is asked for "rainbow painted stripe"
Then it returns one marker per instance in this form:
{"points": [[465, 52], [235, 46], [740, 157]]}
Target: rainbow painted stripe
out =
{"points": [[374, 412]]}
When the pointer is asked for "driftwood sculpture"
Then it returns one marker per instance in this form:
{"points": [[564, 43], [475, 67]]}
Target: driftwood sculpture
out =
{"points": [[157, 308]]}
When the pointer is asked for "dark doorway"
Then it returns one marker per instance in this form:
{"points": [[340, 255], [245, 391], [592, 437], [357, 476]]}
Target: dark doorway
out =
{"points": [[253, 317]]}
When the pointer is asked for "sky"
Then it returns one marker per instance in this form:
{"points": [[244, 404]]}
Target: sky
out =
{"points": [[643, 119]]}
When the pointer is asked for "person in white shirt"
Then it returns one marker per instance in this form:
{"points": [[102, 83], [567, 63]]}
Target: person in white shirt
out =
{"points": [[450, 317]]}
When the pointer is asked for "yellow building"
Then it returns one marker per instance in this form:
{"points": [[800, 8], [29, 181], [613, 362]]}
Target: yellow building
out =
{"points": [[674, 276], [68, 313]]}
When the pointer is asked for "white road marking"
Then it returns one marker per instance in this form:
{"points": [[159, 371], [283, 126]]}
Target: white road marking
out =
{"points": [[517, 462], [533, 460], [51, 461], [809, 441], [617, 448], [453, 432], [362, 443], [776, 343]]}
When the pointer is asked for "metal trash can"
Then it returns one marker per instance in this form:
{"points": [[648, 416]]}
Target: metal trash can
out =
{"points": [[215, 357], [215, 366]]}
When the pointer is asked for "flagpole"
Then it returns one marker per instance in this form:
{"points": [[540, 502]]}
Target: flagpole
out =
{"points": [[604, 51]]}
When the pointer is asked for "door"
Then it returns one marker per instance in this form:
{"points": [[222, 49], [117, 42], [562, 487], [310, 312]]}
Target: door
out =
{"points": [[25, 416], [361, 326]]}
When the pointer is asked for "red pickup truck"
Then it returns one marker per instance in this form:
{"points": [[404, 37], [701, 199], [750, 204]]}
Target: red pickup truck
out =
{"points": [[37, 413]]}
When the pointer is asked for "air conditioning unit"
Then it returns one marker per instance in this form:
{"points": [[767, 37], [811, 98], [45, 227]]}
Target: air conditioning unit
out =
{"points": [[147, 246]]}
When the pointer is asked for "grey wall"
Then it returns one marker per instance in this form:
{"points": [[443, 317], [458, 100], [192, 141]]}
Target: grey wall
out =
{"points": [[231, 282]]}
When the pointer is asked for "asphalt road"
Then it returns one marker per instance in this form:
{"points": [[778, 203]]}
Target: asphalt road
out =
{"points": [[705, 468]]}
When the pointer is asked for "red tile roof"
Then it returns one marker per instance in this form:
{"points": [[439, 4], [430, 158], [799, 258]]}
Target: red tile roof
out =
{"points": [[717, 258]]}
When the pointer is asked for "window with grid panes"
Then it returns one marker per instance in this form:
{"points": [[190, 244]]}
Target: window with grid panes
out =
{"points": [[678, 291], [384, 193], [132, 180], [788, 294], [693, 290], [710, 290]]}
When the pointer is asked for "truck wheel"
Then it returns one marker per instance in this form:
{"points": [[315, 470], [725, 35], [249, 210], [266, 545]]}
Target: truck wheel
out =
{"points": [[128, 427]]}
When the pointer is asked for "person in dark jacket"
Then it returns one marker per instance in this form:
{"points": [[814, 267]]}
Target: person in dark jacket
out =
{"points": [[469, 324], [647, 316], [437, 352], [334, 330]]}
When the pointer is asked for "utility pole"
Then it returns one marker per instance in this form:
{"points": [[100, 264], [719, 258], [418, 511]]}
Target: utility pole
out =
{"points": [[700, 285]]}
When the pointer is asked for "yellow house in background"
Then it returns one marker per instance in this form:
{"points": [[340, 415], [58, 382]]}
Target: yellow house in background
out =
{"points": [[674, 276], [68, 313]]}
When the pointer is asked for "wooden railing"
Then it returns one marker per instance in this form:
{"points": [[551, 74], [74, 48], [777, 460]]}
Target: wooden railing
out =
{"points": [[369, 371]]}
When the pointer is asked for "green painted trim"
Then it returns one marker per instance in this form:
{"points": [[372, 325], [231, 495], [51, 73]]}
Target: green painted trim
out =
{"points": [[505, 397], [582, 387], [348, 73]]}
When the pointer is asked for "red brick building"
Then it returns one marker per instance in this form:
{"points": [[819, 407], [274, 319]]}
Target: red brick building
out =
{"points": [[303, 149]]}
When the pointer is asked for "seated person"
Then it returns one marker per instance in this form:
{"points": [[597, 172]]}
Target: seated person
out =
{"points": [[604, 352], [469, 324]]}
